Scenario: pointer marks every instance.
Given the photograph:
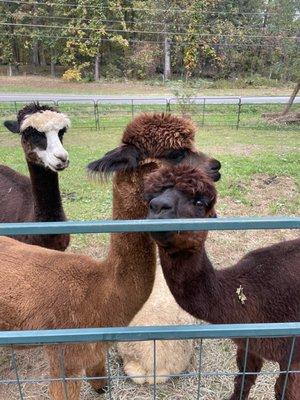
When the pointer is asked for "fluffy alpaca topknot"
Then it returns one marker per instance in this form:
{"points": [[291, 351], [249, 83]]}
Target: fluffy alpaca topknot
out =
{"points": [[45, 121], [188, 180], [153, 133], [33, 108], [42, 118]]}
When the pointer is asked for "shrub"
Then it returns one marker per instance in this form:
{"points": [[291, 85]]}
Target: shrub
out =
{"points": [[112, 71], [88, 77], [141, 64], [184, 94], [72, 75]]}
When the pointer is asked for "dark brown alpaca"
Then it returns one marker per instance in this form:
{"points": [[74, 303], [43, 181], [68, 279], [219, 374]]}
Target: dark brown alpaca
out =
{"points": [[89, 293], [37, 198], [263, 286]]}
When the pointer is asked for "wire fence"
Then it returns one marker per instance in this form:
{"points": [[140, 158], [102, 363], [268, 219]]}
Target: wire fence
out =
{"points": [[202, 333], [60, 339], [108, 114]]}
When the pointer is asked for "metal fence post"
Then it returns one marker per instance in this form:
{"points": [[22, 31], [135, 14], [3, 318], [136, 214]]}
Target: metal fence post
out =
{"points": [[96, 115], [168, 106], [203, 111], [15, 367], [132, 111], [239, 113]]}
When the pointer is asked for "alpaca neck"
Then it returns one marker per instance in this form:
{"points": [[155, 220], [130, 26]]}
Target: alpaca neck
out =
{"points": [[46, 195], [197, 287], [132, 256]]}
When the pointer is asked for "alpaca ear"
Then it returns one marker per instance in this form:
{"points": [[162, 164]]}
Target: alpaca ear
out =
{"points": [[123, 158], [12, 126]]}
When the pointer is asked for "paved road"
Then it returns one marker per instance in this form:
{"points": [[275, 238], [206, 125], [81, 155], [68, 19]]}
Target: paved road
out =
{"points": [[4, 97]]}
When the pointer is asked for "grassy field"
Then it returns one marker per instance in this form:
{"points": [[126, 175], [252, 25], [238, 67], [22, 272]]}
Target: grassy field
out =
{"points": [[34, 84], [260, 176]]}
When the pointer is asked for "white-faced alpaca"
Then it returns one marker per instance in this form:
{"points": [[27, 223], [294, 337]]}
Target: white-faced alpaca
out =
{"points": [[36, 199], [172, 356], [263, 287], [45, 289]]}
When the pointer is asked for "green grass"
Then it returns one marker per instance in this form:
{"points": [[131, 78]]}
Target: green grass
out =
{"points": [[243, 153]]}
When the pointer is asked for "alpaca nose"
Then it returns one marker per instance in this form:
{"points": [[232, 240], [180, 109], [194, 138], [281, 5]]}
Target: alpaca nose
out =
{"points": [[62, 157], [62, 162], [159, 205], [215, 164], [213, 170]]}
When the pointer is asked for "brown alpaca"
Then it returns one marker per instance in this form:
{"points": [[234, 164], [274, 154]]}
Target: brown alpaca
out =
{"points": [[64, 290], [37, 198], [263, 286]]}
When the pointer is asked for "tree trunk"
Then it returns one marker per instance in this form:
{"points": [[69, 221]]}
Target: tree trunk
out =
{"points": [[52, 62], [42, 56], [97, 70], [291, 99], [9, 70], [35, 54], [167, 68], [52, 67], [16, 51]]}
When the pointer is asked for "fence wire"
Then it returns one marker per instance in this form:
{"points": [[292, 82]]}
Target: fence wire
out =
{"points": [[114, 375], [107, 115]]}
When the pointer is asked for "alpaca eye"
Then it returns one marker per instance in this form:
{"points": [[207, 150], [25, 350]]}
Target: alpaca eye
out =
{"points": [[199, 203], [61, 133], [176, 156]]}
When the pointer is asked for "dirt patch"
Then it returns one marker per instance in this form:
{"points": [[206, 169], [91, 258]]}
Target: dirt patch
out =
{"points": [[92, 247], [265, 189], [261, 192], [46, 84], [280, 118], [55, 85], [227, 247]]}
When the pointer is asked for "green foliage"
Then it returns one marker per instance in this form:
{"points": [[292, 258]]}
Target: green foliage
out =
{"points": [[219, 39], [111, 71], [141, 63]]}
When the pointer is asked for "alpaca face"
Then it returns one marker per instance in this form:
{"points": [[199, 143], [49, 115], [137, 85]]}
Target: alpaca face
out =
{"points": [[42, 130], [179, 192], [156, 138]]}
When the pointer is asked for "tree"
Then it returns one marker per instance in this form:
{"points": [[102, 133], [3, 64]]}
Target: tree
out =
{"points": [[291, 99], [88, 32], [8, 45], [195, 38]]}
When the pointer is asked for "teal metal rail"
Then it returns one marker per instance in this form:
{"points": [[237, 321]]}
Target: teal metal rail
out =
{"points": [[112, 226], [172, 332]]}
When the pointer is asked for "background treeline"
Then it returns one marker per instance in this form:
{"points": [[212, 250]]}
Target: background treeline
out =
{"points": [[89, 39]]}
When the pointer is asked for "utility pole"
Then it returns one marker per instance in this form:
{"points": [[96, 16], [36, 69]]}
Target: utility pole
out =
{"points": [[97, 71], [167, 68]]}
